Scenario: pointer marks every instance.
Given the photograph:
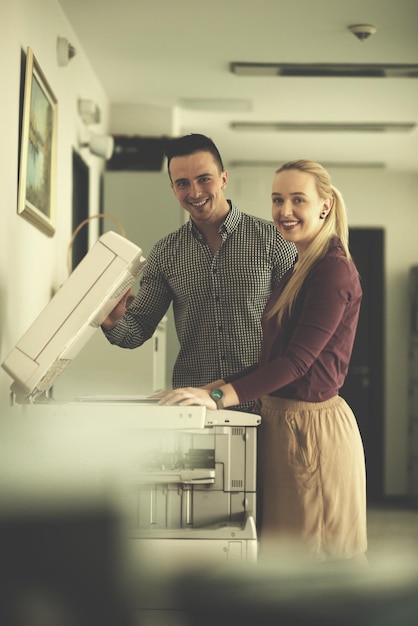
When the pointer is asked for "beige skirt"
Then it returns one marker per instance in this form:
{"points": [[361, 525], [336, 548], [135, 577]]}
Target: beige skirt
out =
{"points": [[311, 492]]}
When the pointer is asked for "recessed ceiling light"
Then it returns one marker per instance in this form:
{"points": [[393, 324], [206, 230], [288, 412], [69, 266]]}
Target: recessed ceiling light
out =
{"points": [[330, 70], [326, 164], [221, 105], [334, 127]]}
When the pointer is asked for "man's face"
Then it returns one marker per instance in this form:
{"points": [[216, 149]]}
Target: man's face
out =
{"points": [[198, 185]]}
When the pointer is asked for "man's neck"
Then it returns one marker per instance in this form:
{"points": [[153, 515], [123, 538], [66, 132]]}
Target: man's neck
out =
{"points": [[210, 230]]}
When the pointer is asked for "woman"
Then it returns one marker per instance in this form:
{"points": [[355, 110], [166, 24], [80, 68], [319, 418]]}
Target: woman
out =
{"points": [[311, 458]]}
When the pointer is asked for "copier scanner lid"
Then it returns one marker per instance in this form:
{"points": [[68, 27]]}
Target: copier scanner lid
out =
{"points": [[72, 316]]}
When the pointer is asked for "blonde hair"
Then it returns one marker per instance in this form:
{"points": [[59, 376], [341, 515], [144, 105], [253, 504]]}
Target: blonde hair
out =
{"points": [[335, 225]]}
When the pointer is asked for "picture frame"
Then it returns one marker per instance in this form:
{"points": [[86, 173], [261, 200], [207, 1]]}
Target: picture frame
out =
{"points": [[37, 167]]}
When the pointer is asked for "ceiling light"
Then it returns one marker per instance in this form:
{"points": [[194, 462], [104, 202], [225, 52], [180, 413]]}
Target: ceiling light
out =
{"points": [[89, 111], [100, 145], [326, 164], [216, 104], [326, 70], [65, 51], [353, 127]]}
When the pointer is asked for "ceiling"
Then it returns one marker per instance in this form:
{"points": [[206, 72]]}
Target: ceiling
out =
{"points": [[178, 54]]}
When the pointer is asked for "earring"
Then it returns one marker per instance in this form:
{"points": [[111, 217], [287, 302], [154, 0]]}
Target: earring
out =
{"points": [[323, 215]]}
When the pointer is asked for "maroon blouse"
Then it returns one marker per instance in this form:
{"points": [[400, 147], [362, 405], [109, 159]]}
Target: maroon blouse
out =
{"points": [[307, 358]]}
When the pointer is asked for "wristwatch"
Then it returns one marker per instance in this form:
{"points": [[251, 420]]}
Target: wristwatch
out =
{"points": [[217, 395]]}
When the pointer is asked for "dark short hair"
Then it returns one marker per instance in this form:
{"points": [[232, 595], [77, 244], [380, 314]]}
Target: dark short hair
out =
{"points": [[189, 144]]}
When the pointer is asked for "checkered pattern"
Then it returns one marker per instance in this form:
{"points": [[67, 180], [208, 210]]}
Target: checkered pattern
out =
{"points": [[217, 299]]}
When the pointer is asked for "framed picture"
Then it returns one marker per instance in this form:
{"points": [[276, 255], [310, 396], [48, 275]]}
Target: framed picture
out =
{"points": [[37, 170]]}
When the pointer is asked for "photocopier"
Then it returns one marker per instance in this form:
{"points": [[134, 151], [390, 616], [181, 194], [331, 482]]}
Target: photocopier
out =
{"points": [[192, 473]]}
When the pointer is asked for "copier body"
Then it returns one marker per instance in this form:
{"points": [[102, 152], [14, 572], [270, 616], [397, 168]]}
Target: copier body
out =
{"points": [[199, 485]]}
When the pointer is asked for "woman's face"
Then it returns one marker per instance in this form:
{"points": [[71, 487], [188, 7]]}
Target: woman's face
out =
{"points": [[297, 209]]}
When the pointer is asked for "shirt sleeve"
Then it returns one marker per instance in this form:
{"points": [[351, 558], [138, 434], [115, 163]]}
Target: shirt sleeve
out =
{"points": [[284, 257], [325, 295], [147, 310]]}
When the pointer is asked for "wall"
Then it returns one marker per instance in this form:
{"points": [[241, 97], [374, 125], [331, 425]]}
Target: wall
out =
{"points": [[33, 265], [374, 198], [149, 209]]}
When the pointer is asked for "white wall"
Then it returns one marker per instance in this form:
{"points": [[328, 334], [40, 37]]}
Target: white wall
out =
{"points": [[148, 209], [32, 264], [374, 198]]}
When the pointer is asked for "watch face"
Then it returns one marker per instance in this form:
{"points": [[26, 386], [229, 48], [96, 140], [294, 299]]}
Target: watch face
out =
{"points": [[216, 394]]}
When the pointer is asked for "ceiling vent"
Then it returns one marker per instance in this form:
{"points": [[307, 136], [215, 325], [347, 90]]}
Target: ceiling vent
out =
{"points": [[327, 70], [333, 127]]}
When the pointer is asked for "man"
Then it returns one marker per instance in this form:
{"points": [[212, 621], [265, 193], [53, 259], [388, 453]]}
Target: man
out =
{"points": [[218, 269]]}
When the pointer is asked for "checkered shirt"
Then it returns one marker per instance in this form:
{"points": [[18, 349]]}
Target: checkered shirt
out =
{"points": [[217, 299]]}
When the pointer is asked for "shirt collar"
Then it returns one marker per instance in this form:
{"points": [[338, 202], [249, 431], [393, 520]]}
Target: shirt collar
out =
{"points": [[227, 227]]}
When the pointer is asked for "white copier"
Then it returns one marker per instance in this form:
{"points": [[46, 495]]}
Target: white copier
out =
{"points": [[192, 472]]}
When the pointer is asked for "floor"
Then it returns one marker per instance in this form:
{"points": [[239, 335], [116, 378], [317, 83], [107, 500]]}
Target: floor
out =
{"points": [[392, 528], [393, 542]]}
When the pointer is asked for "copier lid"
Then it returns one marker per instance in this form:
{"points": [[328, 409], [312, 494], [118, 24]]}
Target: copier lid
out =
{"points": [[73, 315]]}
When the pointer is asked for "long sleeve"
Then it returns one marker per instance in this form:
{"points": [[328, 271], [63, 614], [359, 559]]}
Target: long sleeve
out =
{"points": [[147, 310]]}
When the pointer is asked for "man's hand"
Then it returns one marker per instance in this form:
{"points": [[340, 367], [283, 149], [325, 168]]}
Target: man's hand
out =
{"points": [[119, 311]]}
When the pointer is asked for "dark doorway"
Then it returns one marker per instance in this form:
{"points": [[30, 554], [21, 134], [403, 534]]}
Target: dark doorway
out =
{"points": [[81, 185], [364, 385]]}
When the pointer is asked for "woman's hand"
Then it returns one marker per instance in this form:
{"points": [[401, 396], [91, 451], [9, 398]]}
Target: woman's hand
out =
{"points": [[186, 396]]}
